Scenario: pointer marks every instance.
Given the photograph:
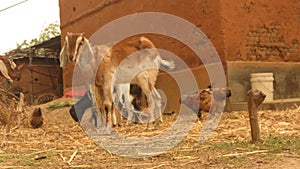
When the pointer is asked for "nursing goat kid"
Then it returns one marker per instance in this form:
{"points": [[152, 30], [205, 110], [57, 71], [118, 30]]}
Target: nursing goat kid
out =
{"points": [[203, 99], [85, 102], [135, 60]]}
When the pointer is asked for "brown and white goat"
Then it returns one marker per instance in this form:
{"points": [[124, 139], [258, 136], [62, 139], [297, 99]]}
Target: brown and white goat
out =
{"points": [[135, 60], [9, 69]]}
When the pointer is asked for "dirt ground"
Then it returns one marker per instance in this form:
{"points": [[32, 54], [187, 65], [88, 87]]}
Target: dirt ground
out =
{"points": [[62, 143]]}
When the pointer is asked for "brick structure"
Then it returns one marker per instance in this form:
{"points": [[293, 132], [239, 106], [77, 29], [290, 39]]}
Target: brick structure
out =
{"points": [[266, 23], [260, 31], [267, 44]]}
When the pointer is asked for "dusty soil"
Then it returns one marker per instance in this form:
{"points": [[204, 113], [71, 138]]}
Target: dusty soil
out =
{"points": [[62, 143]]}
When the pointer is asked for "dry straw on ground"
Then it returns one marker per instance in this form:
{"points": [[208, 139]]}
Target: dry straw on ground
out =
{"points": [[62, 143]]}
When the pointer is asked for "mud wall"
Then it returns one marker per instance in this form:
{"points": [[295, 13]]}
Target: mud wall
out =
{"points": [[266, 30], [249, 30], [89, 16]]}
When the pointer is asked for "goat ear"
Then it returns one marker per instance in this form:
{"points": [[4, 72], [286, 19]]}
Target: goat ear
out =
{"points": [[145, 43], [63, 58], [4, 71], [147, 47], [82, 34]]}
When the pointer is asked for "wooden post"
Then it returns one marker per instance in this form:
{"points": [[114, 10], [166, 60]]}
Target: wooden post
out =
{"points": [[255, 98], [15, 114], [20, 110], [11, 116], [31, 79]]}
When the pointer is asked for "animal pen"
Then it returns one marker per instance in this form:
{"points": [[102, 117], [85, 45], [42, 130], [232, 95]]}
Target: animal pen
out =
{"points": [[41, 77]]}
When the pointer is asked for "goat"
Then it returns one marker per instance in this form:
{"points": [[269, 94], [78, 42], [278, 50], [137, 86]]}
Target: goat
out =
{"points": [[116, 68], [135, 104], [9, 69], [78, 109], [36, 120], [75, 45], [146, 56], [202, 100]]}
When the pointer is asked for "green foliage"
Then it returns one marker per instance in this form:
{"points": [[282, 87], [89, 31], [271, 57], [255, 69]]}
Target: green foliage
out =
{"points": [[278, 144], [49, 32], [58, 105], [275, 144]]}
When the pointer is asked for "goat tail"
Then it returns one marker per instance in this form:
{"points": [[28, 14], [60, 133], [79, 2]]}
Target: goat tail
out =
{"points": [[165, 64]]}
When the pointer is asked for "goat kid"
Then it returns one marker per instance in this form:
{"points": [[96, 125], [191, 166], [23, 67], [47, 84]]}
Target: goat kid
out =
{"points": [[142, 67], [78, 109]]}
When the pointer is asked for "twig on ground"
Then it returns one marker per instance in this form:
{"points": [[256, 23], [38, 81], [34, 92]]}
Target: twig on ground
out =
{"points": [[62, 157], [158, 166], [72, 157], [191, 161], [243, 154], [82, 166]]}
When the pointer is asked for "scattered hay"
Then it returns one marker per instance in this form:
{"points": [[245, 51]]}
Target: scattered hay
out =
{"points": [[64, 143]]}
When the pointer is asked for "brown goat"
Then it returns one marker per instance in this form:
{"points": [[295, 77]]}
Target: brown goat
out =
{"points": [[136, 58]]}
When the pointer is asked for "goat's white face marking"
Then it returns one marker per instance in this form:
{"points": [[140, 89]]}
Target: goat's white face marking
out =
{"points": [[73, 44], [78, 46]]}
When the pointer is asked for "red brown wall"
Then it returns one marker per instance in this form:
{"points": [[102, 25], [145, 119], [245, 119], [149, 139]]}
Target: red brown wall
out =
{"points": [[90, 15], [265, 30], [240, 30]]}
